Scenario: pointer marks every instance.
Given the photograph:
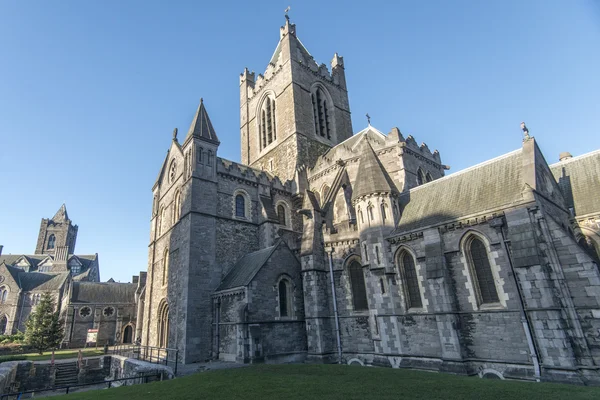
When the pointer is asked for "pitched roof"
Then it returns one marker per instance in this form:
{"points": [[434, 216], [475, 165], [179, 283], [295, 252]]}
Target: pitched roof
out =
{"points": [[61, 215], [579, 182], [40, 281], [246, 268], [34, 259], [488, 186], [201, 126], [372, 177], [103, 292]]}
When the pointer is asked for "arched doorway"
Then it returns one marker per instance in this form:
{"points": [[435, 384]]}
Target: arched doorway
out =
{"points": [[3, 323], [127, 334], [163, 324]]}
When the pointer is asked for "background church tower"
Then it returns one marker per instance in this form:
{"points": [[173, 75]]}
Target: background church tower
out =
{"points": [[295, 112], [56, 232]]}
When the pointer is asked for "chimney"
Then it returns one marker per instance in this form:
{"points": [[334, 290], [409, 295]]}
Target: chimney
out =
{"points": [[134, 279], [1, 247], [565, 155]]}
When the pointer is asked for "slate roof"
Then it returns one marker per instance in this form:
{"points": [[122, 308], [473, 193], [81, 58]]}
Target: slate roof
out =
{"points": [[579, 181], [246, 268], [103, 292], [372, 177], [40, 281], [61, 215], [491, 185], [34, 259], [201, 126]]}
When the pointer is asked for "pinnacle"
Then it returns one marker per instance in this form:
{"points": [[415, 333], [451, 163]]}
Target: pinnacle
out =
{"points": [[201, 126]]}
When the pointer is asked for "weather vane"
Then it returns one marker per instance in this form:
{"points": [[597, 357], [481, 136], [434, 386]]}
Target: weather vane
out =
{"points": [[287, 10], [368, 119]]}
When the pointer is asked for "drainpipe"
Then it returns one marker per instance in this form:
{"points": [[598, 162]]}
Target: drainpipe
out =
{"points": [[217, 333], [499, 222], [335, 310]]}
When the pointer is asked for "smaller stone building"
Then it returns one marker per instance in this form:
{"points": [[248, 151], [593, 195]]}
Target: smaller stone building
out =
{"points": [[259, 309]]}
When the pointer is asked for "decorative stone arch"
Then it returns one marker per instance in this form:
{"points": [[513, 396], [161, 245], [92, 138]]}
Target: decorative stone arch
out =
{"points": [[490, 374], [323, 112], [592, 240], [469, 271], [325, 189], [266, 119], [127, 333], [283, 205], [4, 292], [428, 177], [177, 206], [246, 205], [163, 324], [355, 361], [3, 324], [421, 178], [285, 296], [403, 278], [356, 293]]}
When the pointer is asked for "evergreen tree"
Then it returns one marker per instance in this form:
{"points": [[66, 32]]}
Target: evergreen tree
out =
{"points": [[43, 329]]}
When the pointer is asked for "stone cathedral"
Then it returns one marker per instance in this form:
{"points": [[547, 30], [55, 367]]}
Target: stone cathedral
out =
{"points": [[328, 246]]}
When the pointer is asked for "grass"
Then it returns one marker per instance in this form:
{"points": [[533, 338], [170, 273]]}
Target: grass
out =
{"points": [[336, 382], [59, 354]]}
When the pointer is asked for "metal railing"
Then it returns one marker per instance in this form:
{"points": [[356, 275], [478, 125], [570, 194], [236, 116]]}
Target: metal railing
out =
{"points": [[155, 355], [69, 388]]}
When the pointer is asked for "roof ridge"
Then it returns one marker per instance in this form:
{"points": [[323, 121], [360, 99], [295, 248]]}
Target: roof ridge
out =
{"points": [[579, 157]]}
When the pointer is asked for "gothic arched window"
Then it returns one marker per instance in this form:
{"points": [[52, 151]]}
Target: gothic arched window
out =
{"points": [[51, 241], [322, 111], [357, 285], [420, 177], [481, 268], [267, 126], [3, 323], [281, 214], [285, 298], [200, 155], [383, 212], [370, 211], [377, 256], [428, 177], [177, 207], [240, 206], [165, 271], [3, 294], [410, 280]]}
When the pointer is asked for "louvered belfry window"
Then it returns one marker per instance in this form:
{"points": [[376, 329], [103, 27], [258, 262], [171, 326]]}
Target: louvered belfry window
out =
{"points": [[483, 272], [357, 283], [411, 281]]}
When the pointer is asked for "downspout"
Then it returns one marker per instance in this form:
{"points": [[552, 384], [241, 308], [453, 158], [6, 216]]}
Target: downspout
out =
{"points": [[218, 331], [499, 222], [335, 310]]}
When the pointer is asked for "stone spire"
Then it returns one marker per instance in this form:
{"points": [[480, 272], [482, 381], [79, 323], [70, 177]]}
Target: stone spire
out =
{"points": [[201, 126], [61, 215], [372, 177]]}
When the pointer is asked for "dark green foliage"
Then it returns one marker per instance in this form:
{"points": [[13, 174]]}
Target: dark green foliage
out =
{"points": [[341, 382], [43, 329], [18, 337], [12, 358]]}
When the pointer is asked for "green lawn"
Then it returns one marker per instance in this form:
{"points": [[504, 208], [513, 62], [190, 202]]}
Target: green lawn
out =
{"points": [[336, 382], [59, 354]]}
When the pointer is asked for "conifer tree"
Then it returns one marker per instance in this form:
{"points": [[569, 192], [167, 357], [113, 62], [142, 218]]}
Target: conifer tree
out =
{"points": [[43, 329]]}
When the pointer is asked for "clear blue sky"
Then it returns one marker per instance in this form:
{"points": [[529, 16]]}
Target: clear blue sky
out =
{"points": [[90, 92]]}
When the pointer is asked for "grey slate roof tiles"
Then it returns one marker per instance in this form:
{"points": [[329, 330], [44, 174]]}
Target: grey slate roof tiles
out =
{"points": [[201, 126], [103, 292], [579, 181], [246, 268], [487, 186], [372, 177]]}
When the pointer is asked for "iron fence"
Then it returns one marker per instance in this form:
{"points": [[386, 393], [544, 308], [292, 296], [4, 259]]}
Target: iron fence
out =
{"points": [[155, 355], [70, 388]]}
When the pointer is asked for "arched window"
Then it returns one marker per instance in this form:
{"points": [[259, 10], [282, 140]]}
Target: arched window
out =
{"points": [[209, 158], [480, 266], [163, 324], [357, 285], [177, 207], [127, 334], [377, 255], [267, 125], [383, 212], [3, 323], [370, 211], [285, 298], [3, 294], [410, 280], [159, 221], [428, 177], [366, 252], [325, 191], [165, 272], [240, 206], [322, 112], [420, 177], [51, 241], [360, 215], [281, 214], [200, 155]]}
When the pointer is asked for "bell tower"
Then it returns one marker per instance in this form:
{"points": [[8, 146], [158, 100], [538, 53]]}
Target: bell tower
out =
{"points": [[295, 111], [56, 232]]}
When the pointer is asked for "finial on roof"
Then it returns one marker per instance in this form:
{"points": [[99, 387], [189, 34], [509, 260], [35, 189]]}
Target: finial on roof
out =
{"points": [[175, 134], [201, 100], [368, 119], [287, 10], [525, 131]]}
